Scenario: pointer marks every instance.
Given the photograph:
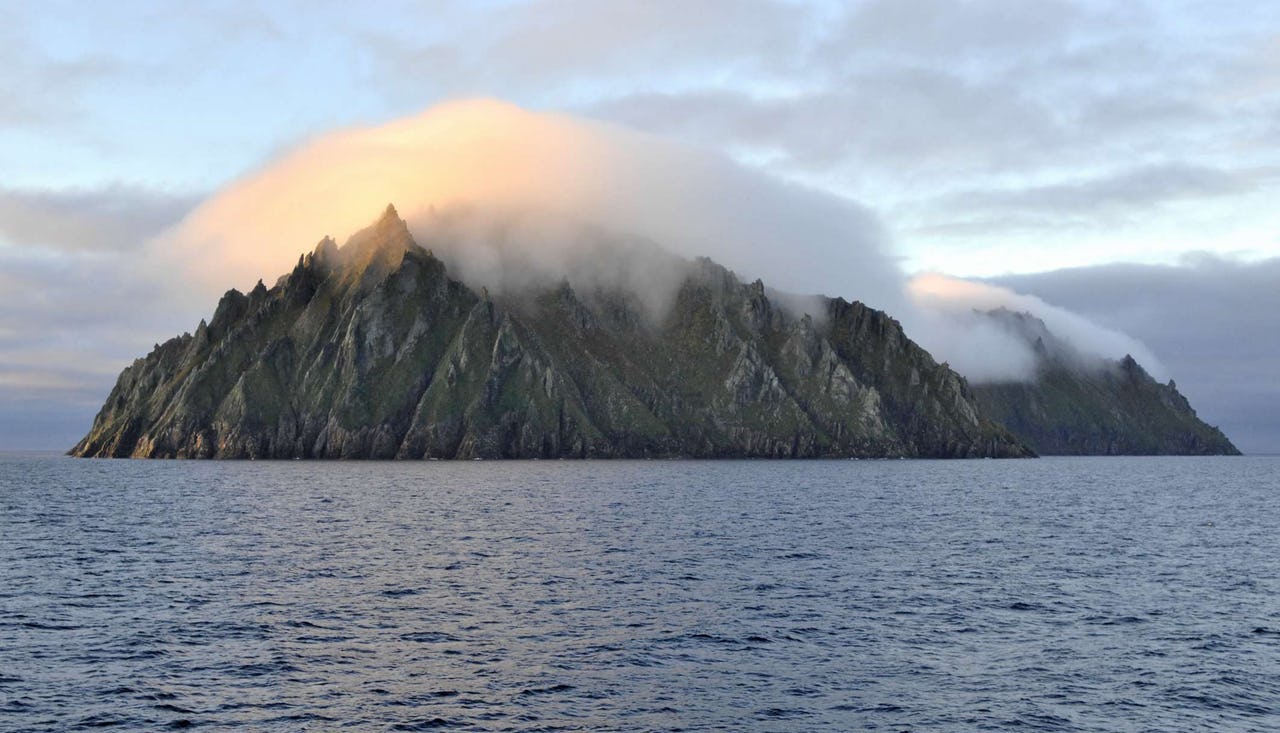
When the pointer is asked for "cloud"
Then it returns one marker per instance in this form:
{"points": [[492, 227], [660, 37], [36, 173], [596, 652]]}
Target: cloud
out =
{"points": [[1213, 320], [911, 107], [915, 28], [42, 424], [40, 90], [511, 198], [984, 351], [910, 120], [514, 165], [1005, 126], [116, 218], [1100, 215], [78, 300], [576, 48], [1122, 191]]}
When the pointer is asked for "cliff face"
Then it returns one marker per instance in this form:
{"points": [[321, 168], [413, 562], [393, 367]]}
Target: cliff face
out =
{"points": [[1078, 408], [373, 351]]}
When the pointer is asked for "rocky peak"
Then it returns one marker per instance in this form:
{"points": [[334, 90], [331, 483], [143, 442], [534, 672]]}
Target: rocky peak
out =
{"points": [[324, 255], [372, 253], [389, 232], [1030, 329]]}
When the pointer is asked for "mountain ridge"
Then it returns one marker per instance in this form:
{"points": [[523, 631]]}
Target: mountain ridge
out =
{"points": [[371, 350], [1079, 405]]}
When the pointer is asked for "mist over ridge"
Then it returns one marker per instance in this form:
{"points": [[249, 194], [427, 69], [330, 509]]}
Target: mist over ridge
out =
{"points": [[954, 320], [463, 171], [511, 198]]}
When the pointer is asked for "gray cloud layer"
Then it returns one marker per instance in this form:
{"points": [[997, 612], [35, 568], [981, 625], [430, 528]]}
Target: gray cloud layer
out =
{"points": [[977, 124], [1214, 322], [965, 124], [115, 219], [79, 302]]}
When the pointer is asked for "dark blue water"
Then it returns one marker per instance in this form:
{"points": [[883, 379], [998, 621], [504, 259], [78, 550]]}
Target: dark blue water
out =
{"points": [[1056, 595]]}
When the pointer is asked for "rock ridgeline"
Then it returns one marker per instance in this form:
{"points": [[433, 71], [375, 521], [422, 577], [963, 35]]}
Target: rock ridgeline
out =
{"points": [[1080, 407], [371, 350]]}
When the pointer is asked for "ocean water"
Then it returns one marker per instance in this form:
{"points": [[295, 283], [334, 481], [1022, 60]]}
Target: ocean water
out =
{"points": [[1057, 594]]}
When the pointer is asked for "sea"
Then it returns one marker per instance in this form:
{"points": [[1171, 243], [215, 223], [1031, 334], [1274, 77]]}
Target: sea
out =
{"points": [[1058, 594]]}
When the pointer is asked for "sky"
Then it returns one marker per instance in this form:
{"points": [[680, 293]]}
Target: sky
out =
{"points": [[1119, 160]]}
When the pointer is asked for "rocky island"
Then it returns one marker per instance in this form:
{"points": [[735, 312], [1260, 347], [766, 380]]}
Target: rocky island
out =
{"points": [[372, 350]]}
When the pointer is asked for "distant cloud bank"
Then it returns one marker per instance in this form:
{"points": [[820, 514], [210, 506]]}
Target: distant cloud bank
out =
{"points": [[1214, 321]]}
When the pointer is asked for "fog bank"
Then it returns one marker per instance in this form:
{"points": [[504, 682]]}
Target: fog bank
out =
{"points": [[528, 174], [948, 317], [510, 198]]}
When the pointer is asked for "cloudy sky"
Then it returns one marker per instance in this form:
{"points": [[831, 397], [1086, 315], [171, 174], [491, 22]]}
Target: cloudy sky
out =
{"points": [[1117, 159]]}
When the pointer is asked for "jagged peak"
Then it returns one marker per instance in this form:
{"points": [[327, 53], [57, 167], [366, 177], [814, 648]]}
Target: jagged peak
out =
{"points": [[1131, 366], [1045, 345], [388, 229], [390, 223], [712, 273], [325, 249], [371, 252], [1025, 322]]}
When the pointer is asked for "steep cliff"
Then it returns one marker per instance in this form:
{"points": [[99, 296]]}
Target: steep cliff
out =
{"points": [[1082, 406], [371, 350]]}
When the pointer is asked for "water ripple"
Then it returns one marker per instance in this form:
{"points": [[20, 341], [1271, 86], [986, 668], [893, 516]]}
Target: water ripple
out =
{"points": [[1052, 595]]}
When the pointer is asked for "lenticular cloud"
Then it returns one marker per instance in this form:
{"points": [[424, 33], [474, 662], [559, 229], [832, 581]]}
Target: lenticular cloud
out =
{"points": [[499, 161], [504, 195]]}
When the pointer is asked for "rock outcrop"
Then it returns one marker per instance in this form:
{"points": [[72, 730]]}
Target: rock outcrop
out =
{"points": [[372, 350], [1082, 406]]}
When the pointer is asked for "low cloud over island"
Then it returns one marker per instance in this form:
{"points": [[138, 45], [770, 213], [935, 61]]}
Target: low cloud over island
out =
{"points": [[524, 181]]}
